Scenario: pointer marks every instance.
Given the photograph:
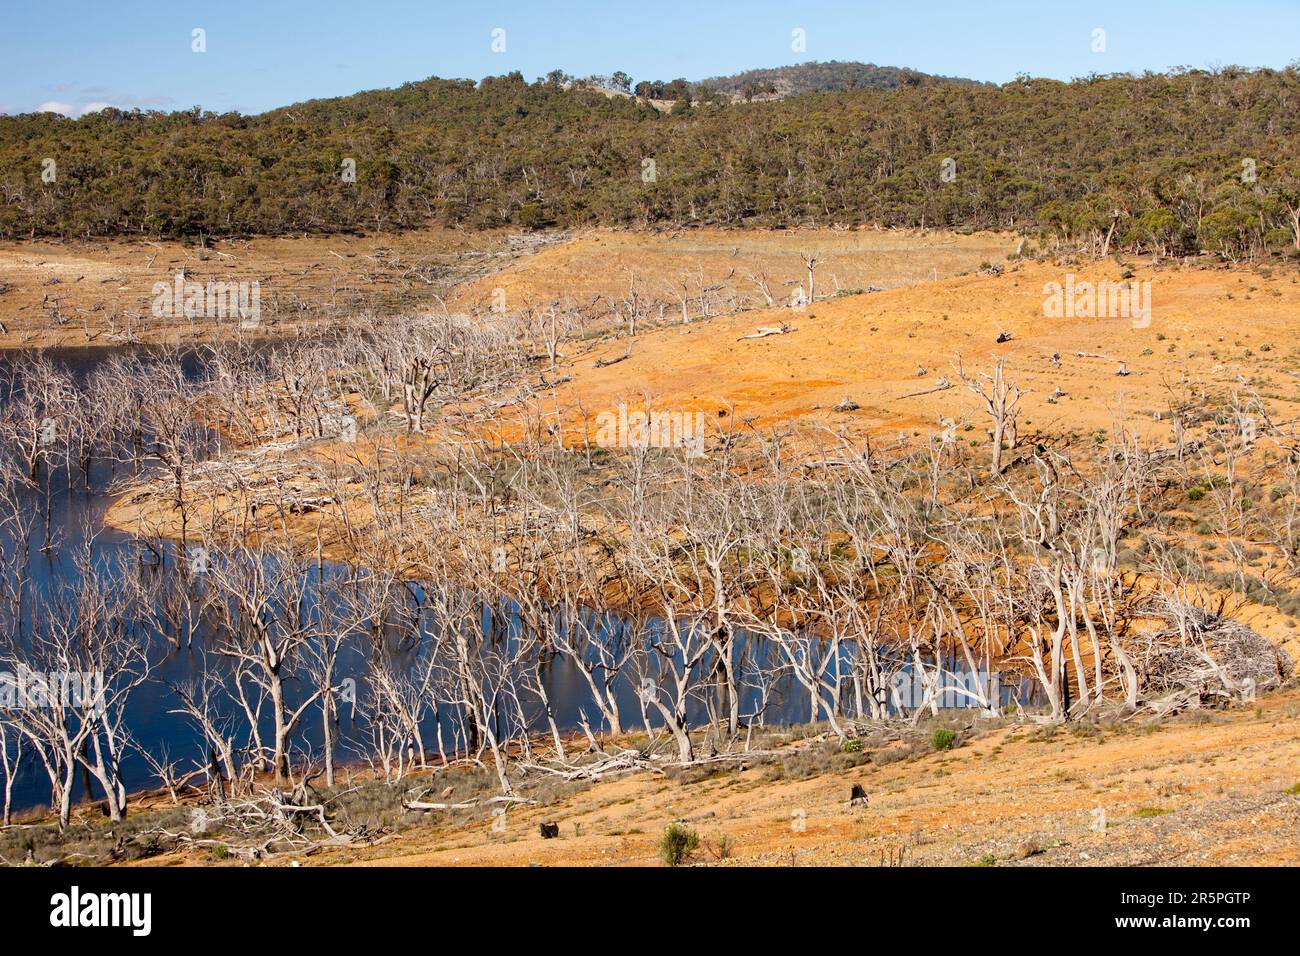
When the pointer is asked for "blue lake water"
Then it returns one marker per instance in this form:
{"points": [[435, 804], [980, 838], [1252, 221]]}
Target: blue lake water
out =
{"points": [[76, 515]]}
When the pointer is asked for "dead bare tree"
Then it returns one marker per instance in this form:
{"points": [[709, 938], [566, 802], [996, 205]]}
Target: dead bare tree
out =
{"points": [[266, 622], [810, 259], [11, 761], [202, 699], [762, 282], [1001, 401], [69, 681]]}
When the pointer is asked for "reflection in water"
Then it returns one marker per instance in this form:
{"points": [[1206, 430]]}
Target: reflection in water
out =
{"points": [[183, 650]]}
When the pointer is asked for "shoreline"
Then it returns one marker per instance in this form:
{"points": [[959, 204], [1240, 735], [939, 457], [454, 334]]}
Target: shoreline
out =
{"points": [[1011, 795]]}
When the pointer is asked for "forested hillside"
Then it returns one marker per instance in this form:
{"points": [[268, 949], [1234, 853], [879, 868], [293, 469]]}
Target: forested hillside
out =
{"points": [[815, 77], [1165, 163]]}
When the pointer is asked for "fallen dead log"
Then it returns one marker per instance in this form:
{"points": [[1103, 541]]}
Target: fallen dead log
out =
{"points": [[942, 385], [607, 765], [765, 330], [423, 806], [826, 463]]}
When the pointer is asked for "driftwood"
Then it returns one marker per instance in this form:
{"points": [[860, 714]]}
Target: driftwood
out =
{"points": [[1200, 659], [765, 330], [1190, 447], [422, 806], [605, 363], [274, 822], [942, 385], [419, 805], [826, 463], [603, 766]]}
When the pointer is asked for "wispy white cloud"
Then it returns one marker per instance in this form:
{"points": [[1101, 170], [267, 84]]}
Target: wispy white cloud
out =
{"points": [[54, 106], [84, 105]]}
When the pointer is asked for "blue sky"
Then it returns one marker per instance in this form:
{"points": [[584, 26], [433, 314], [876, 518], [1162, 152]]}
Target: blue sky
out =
{"points": [[73, 55]]}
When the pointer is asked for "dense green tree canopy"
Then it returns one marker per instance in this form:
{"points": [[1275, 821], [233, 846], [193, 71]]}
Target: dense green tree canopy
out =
{"points": [[1165, 163]]}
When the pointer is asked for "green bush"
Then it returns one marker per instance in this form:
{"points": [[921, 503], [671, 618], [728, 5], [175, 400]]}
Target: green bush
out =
{"points": [[852, 746], [724, 847], [678, 843], [942, 738]]}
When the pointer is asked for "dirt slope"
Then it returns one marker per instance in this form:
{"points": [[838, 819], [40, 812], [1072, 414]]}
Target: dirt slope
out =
{"points": [[1207, 789], [1222, 327], [606, 263], [93, 293], [1202, 789]]}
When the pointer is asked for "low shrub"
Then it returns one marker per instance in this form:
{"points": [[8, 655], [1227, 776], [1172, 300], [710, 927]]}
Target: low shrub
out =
{"points": [[943, 738], [678, 843]]}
